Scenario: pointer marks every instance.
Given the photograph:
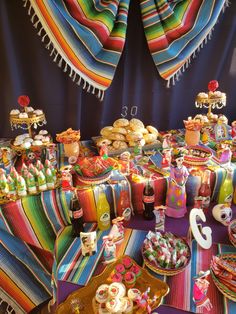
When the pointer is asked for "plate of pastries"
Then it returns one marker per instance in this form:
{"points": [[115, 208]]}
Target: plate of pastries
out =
{"points": [[127, 134]]}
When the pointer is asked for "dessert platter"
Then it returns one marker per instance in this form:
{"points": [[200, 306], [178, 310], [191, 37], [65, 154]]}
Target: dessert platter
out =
{"points": [[165, 253], [123, 287]]}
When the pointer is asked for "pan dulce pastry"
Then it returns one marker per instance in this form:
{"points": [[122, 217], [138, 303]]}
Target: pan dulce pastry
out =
{"points": [[106, 130], [152, 130], [119, 130], [136, 124], [103, 141], [116, 137], [134, 136], [149, 138], [119, 144], [121, 123]]}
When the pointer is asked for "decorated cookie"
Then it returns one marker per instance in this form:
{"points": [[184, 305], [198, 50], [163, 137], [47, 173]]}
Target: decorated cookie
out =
{"points": [[116, 290], [102, 293]]}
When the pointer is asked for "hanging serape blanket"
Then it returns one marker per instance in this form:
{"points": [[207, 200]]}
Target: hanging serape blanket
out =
{"points": [[86, 38], [176, 29]]}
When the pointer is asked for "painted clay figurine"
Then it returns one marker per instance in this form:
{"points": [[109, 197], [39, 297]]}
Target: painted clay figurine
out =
{"points": [[200, 288], [176, 192]]}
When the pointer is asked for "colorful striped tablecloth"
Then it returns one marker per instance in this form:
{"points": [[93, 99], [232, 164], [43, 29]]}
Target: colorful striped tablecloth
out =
{"points": [[78, 270]]}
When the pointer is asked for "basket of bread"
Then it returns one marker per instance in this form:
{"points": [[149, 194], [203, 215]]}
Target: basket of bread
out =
{"points": [[126, 135]]}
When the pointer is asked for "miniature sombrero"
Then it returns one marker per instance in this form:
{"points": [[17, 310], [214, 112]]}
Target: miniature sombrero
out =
{"points": [[202, 274]]}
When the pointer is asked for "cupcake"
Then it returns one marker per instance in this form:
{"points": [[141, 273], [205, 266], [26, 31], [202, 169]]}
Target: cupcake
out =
{"points": [[15, 113], [38, 112], [117, 277], [102, 293], [38, 137], [43, 132], [45, 139], [113, 305], [130, 279], [127, 262], [120, 268], [37, 143], [134, 294], [129, 306], [29, 109], [136, 270], [116, 290]]}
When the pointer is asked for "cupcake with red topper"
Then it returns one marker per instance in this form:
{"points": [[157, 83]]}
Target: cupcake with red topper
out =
{"points": [[116, 277], [120, 268], [127, 262], [130, 279], [136, 270]]}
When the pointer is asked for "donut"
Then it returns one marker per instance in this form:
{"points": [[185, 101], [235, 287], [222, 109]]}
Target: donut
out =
{"points": [[121, 123], [106, 130], [119, 145], [136, 124], [152, 130]]}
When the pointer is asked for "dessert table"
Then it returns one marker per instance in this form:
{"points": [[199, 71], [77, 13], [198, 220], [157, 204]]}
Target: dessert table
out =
{"points": [[31, 229]]}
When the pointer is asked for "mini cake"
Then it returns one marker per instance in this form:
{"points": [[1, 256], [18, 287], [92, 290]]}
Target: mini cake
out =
{"points": [[43, 132], [130, 279], [46, 139], [23, 115], [28, 139], [38, 112], [102, 293], [136, 270], [117, 277], [120, 268], [134, 294], [37, 143], [26, 145], [116, 290], [15, 113], [127, 262], [38, 137], [29, 109]]}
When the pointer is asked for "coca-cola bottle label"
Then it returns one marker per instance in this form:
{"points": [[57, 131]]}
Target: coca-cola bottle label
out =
{"points": [[148, 198], [76, 214]]}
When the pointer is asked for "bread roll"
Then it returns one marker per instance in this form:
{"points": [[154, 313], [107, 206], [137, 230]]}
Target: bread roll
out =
{"points": [[120, 123], [149, 138], [152, 130], [116, 137], [106, 130], [119, 145], [102, 141], [134, 136], [119, 130], [136, 124]]}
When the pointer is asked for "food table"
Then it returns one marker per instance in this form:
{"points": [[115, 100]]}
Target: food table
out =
{"points": [[44, 215]]}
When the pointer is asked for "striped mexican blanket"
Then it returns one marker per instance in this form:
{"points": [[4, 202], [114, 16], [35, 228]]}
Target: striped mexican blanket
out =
{"points": [[76, 269], [176, 29], [86, 38]]}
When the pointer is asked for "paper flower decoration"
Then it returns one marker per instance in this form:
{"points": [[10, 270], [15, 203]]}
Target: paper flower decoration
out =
{"points": [[23, 100], [213, 85]]}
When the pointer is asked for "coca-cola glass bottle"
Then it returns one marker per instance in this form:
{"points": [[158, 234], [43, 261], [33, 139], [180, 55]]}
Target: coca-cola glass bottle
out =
{"points": [[148, 200], [205, 190], [76, 215]]}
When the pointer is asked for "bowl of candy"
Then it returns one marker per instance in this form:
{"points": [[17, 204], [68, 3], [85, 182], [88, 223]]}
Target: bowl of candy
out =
{"points": [[232, 232], [197, 155], [93, 170], [165, 253]]}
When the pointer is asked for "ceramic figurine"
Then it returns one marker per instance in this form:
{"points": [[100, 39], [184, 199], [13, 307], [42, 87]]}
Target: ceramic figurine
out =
{"points": [[31, 184], [222, 213], [233, 132], [117, 231], [21, 186], [166, 159], [176, 192], [109, 249], [200, 287], [224, 153], [42, 181]]}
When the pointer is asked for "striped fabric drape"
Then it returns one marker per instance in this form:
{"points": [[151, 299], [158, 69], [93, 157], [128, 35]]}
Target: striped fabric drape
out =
{"points": [[86, 38]]}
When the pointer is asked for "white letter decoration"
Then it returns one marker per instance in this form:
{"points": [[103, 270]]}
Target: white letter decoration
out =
{"points": [[198, 231]]}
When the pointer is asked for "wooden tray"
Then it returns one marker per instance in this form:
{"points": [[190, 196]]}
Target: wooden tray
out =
{"points": [[84, 296]]}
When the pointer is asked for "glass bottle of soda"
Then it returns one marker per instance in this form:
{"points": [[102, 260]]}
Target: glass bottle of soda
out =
{"points": [[148, 200], [226, 189], [205, 190], [76, 215], [123, 205]]}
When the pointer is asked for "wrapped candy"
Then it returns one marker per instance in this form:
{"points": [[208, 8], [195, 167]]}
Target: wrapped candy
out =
{"points": [[31, 184], [21, 186]]}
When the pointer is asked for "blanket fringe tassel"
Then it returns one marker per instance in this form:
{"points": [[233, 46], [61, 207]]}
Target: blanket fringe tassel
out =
{"points": [[172, 80], [57, 58]]}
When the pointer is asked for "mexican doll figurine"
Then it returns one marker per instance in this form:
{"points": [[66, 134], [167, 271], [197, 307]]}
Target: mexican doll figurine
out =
{"points": [[176, 192], [200, 288]]}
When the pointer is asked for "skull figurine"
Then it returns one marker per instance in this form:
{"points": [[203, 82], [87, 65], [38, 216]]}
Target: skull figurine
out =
{"points": [[222, 213]]}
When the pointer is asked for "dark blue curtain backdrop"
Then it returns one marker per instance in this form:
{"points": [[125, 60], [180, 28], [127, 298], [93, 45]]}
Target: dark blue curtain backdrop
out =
{"points": [[27, 68]]}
